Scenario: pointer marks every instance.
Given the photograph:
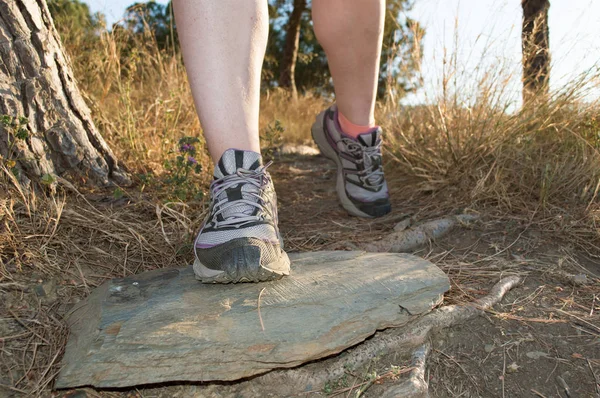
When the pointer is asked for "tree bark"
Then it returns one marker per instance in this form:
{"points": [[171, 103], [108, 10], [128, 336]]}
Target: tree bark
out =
{"points": [[535, 44], [57, 135], [290, 50]]}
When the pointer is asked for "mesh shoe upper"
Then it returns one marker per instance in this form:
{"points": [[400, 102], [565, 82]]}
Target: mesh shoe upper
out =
{"points": [[243, 202]]}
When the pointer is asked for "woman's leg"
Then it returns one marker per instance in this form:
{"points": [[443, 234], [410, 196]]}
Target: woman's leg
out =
{"points": [[351, 33], [224, 43]]}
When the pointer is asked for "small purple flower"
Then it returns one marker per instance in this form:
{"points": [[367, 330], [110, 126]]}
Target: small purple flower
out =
{"points": [[191, 160], [186, 148]]}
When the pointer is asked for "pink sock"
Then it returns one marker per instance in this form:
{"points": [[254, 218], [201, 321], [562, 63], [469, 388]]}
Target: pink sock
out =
{"points": [[351, 129]]}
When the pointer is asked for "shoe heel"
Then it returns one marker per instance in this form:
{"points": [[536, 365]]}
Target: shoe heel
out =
{"points": [[318, 136]]}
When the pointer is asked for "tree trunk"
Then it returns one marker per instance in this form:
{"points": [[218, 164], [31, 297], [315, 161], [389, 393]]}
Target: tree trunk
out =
{"points": [[46, 128], [535, 44], [290, 51]]}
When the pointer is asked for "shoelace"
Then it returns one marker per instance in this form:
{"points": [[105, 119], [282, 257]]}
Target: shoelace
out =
{"points": [[370, 156], [256, 178]]}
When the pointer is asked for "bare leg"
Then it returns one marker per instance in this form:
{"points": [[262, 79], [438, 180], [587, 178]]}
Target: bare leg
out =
{"points": [[351, 32], [224, 43]]}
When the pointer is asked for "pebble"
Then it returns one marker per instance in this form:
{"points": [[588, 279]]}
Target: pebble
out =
{"points": [[46, 291], [512, 368], [536, 354], [580, 279]]}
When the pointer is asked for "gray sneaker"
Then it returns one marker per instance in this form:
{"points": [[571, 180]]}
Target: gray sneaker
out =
{"points": [[361, 186], [239, 240]]}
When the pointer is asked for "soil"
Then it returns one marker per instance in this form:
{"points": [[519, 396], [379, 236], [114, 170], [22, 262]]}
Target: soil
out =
{"points": [[543, 340]]}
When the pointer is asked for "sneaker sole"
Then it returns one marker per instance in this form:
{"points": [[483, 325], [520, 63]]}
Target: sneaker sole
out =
{"points": [[318, 135], [246, 268]]}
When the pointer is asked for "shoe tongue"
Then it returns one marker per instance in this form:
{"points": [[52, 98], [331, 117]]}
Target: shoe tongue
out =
{"points": [[234, 159], [370, 138], [230, 162]]}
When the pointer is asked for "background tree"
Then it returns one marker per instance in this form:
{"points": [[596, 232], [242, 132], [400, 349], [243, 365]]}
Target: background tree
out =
{"points": [[402, 51], [74, 20], [153, 18], [535, 42], [80, 32], [45, 128], [290, 49]]}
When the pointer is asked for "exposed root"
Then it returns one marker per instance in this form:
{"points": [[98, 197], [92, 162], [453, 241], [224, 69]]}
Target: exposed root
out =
{"points": [[415, 386], [412, 337], [419, 235], [497, 292], [304, 150]]}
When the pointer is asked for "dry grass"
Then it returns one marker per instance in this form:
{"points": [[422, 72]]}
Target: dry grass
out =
{"points": [[56, 250], [296, 117], [540, 162], [143, 105], [539, 166]]}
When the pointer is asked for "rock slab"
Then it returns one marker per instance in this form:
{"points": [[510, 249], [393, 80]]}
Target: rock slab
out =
{"points": [[163, 325]]}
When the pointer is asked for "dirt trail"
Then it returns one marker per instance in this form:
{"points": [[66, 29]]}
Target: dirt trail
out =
{"points": [[543, 340]]}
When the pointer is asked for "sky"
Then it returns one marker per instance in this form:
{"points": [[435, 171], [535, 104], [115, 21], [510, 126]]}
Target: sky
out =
{"points": [[484, 34], [487, 34]]}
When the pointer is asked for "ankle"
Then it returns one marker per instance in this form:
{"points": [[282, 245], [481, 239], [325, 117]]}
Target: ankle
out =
{"points": [[352, 129]]}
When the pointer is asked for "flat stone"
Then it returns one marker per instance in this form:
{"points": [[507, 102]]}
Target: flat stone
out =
{"points": [[163, 325]]}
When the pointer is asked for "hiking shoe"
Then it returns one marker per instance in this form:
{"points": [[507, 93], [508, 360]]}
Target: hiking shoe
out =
{"points": [[239, 240], [361, 186]]}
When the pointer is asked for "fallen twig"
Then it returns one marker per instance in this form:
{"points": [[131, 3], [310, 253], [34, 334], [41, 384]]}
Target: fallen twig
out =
{"points": [[564, 386], [539, 394], [262, 325], [596, 381], [588, 324], [505, 315]]}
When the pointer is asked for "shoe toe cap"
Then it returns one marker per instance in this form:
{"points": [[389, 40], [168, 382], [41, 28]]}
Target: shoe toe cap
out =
{"points": [[377, 208]]}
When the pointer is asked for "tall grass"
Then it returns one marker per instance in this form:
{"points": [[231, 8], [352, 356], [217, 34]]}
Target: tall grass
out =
{"points": [[542, 156], [143, 105], [140, 96], [473, 147]]}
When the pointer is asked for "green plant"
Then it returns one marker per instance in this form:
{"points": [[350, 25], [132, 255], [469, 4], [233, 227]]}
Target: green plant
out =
{"points": [[16, 128], [48, 179], [118, 193], [182, 170], [272, 138]]}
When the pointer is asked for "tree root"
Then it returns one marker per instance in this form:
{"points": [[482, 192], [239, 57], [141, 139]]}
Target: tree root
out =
{"points": [[415, 386], [413, 337], [419, 235]]}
